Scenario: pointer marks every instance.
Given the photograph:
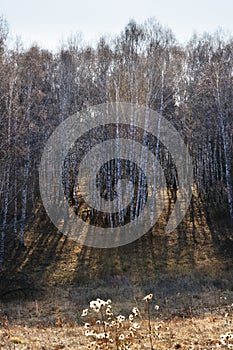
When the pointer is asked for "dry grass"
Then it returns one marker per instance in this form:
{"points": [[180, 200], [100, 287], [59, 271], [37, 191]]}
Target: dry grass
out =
{"points": [[177, 333], [198, 244], [54, 325], [189, 271]]}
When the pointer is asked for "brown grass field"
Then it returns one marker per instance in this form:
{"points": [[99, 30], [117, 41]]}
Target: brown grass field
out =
{"points": [[46, 284], [177, 332]]}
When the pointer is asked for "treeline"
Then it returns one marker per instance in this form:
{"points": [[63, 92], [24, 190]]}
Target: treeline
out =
{"points": [[191, 86]]}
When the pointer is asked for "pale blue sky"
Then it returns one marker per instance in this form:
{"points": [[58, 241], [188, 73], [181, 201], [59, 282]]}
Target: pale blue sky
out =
{"points": [[50, 21]]}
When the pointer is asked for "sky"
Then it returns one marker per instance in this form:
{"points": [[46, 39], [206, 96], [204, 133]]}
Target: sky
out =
{"points": [[49, 22]]}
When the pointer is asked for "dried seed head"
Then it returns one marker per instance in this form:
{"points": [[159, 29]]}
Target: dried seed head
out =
{"points": [[148, 297]]}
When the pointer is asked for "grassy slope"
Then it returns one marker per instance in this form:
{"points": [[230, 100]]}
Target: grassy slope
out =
{"points": [[189, 272], [200, 249]]}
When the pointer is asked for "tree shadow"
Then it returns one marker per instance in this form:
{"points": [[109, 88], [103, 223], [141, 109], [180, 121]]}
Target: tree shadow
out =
{"points": [[50, 258]]}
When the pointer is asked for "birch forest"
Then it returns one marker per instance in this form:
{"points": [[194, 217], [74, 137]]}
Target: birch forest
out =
{"points": [[192, 85]]}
